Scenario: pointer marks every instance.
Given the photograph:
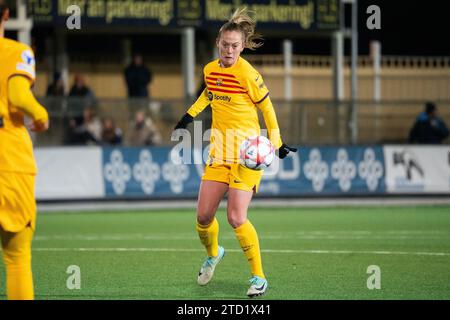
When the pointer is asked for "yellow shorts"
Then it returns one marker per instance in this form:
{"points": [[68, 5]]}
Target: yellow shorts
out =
{"points": [[235, 175], [17, 201]]}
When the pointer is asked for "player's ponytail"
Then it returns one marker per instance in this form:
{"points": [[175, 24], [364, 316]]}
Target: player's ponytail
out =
{"points": [[241, 21]]}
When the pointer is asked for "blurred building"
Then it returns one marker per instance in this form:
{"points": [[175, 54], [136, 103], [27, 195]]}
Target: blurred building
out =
{"points": [[304, 57]]}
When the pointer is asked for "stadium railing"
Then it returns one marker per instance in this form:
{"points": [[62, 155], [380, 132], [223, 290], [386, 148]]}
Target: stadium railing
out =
{"points": [[323, 122], [399, 77]]}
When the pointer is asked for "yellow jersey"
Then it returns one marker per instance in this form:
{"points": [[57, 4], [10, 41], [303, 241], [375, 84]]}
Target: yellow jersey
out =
{"points": [[234, 94], [16, 148]]}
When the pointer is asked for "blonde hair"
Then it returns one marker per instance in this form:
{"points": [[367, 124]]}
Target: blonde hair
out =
{"points": [[242, 22]]}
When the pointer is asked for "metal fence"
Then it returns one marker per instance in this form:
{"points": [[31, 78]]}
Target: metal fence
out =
{"points": [[397, 78], [301, 122]]}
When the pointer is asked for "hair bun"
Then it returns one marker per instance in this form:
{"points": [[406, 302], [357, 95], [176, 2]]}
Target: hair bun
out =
{"points": [[241, 21]]}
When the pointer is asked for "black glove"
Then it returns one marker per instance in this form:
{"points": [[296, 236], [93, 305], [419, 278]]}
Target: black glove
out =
{"points": [[182, 124], [284, 150]]}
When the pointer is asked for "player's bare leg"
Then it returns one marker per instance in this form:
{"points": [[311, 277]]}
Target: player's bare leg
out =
{"points": [[209, 197]]}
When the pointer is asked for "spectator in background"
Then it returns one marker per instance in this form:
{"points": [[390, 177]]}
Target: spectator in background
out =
{"points": [[56, 96], [138, 77], [56, 88], [81, 95], [428, 128], [92, 123], [79, 87], [111, 135], [143, 131], [77, 134]]}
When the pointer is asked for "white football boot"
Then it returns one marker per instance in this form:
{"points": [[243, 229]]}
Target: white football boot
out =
{"points": [[207, 270], [258, 287]]}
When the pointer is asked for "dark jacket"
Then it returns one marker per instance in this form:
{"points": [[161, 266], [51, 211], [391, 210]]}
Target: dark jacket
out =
{"points": [[137, 78], [427, 130]]}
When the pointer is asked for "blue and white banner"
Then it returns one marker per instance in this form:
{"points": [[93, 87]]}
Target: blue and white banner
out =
{"points": [[147, 172], [327, 171], [108, 173], [131, 173], [135, 172]]}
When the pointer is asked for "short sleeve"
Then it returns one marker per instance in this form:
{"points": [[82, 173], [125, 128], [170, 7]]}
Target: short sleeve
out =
{"points": [[24, 63], [255, 86]]}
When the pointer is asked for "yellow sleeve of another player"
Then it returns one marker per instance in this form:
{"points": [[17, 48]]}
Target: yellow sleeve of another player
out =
{"points": [[22, 98], [201, 103], [270, 119]]}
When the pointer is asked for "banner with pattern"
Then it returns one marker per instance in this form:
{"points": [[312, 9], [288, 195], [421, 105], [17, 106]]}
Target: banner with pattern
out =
{"points": [[327, 171], [134, 172], [145, 173]]}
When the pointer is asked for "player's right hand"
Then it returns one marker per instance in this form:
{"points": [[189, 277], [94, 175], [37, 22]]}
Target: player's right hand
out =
{"points": [[39, 126], [184, 121], [181, 126]]}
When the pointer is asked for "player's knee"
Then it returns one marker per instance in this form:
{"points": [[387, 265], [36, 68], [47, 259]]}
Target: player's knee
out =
{"points": [[206, 214], [235, 219], [205, 219]]}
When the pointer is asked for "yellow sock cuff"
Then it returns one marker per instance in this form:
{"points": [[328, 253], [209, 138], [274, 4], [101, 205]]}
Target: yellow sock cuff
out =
{"points": [[208, 226], [243, 227]]}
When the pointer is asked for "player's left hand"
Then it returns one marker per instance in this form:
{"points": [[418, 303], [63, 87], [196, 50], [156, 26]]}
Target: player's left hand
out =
{"points": [[39, 126], [284, 150]]}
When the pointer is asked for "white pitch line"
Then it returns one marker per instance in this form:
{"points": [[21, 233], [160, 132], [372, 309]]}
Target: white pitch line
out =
{"points": [[301, 235], [237, 250]]}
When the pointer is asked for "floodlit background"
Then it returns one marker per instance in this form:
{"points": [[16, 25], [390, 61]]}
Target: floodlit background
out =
{"points": [[348, 80]]}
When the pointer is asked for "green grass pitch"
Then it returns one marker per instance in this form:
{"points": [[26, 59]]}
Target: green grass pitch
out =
{"points": [[308, 253]]}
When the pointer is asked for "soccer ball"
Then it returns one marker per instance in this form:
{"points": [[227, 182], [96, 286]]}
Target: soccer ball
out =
{"points": [[256, 152]]}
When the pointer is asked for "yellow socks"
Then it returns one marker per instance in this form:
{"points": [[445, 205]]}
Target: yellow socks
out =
{"points": [[248, 239], [17, 258], [209, 236]]}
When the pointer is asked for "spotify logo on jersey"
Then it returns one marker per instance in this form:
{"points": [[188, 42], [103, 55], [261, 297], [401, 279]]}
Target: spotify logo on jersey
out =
{"points": [[212, 97], [223, 98]]}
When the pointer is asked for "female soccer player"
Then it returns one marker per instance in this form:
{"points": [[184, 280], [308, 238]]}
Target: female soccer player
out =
{"points": [[235, 90], [17, 164]]}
